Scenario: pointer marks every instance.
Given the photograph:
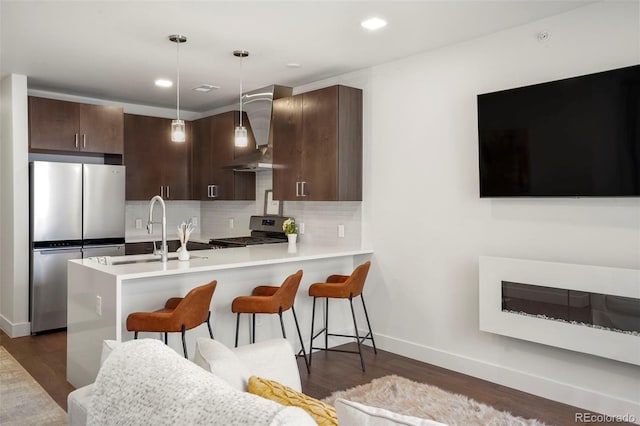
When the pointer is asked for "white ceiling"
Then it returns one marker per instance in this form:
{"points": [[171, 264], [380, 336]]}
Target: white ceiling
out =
{"points": [[116, 49]]}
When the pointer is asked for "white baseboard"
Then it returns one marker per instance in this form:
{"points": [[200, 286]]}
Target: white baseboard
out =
{"points": [[544, 387], [14, 330]]}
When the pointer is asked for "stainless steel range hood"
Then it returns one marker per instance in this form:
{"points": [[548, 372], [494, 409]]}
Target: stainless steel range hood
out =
{"points": [[258, 105]]}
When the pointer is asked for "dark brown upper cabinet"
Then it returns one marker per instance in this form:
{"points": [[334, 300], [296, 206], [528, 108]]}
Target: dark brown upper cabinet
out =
{"points": [[62, 126], [155, 164], [317, 145], [212, 150]]}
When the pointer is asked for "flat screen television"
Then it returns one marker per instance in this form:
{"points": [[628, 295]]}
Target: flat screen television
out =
{"points": [[577, 137]]}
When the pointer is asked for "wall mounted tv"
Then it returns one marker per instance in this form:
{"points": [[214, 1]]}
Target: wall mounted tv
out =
{"points": [[574, 137]]}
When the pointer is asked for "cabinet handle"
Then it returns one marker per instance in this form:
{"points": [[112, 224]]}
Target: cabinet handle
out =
{"points": [[76, 139], [168, 191], [161, 191], [297, 189], [212, 191], [302, 184], [84, 140]]}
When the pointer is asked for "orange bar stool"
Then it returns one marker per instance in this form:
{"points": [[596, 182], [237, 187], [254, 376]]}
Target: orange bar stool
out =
{"points": [[341, 287], [270, 300], [179, 314]]}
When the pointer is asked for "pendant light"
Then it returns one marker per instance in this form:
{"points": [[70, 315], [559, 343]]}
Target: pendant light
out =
{"points": [[177, 125], [241, 131]]}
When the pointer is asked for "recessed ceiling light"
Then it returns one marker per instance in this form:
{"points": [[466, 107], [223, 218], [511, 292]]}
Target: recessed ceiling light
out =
{"points": [[204, 88], [163, 82], [373, 23], [293, 65]]}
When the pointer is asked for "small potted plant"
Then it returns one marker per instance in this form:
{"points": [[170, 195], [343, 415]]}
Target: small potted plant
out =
{"points": [[289, 228]]}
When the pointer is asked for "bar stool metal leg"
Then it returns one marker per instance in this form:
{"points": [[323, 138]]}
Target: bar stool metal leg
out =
{"points": [[304, 353], [326, 323], [281, 323], [355, 326], [184, 343], [237, 327], [313, 317], [253, 328], [375, 351], [209, 325]]}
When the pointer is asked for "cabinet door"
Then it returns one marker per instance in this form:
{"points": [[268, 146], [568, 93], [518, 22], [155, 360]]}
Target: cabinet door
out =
{"points": [[213, 139], [319, 159], [143, 156], [155, 164], [222, 142], [349, 144], [201, 158], [287, 137], [176, 164], [53, 125], [101, 129], [244, 183]]}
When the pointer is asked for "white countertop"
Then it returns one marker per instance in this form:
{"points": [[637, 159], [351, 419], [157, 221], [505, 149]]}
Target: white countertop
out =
{"points": [[228, 258]]}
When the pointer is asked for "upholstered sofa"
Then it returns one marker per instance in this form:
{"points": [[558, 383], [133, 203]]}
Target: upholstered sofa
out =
{"points": [[145, 382]]}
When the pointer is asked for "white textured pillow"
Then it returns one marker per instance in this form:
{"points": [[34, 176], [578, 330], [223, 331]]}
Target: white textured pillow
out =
{"points": [[215, 357], [355, 414]]}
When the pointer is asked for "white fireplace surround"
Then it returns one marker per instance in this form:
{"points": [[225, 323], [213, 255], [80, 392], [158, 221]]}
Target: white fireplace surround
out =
{"points": [[597, 279]]}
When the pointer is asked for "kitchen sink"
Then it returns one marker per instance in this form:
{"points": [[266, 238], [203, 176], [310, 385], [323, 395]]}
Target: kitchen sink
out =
{"points": [[145, 258]]}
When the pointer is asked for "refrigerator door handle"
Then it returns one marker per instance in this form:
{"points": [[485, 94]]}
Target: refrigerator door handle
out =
{"points": [[57, 250]]}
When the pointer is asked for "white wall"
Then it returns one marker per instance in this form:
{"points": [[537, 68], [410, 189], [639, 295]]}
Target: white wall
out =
{"points": [[427, 225], [14, 225]]}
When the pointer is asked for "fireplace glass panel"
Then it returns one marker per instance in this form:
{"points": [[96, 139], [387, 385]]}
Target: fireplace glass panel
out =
{"points": [[611, 312]]}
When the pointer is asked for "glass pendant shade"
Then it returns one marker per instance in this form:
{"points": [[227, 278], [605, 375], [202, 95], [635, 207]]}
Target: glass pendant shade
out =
{"points": [[177, 131], [241, 136]]}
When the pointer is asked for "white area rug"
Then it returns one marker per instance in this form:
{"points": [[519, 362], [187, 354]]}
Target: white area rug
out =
{"points": [[411, 398], [23, 402]]}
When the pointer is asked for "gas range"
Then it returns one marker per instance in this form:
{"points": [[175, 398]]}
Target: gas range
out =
{"points": [[264, 230]]}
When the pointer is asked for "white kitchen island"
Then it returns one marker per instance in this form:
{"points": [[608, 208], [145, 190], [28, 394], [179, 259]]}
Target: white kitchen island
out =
{"points": [[100, 297]]}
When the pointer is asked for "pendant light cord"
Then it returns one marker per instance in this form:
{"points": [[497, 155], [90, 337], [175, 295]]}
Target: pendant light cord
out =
{"points": [[178, 79], [240, 90]]}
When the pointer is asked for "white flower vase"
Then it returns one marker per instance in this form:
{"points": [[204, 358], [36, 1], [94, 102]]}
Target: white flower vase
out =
{"points": [[183, 254], [292, 242]]}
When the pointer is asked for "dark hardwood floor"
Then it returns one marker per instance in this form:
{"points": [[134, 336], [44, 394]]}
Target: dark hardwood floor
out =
{"points": [[331, 371], [44, 357]]}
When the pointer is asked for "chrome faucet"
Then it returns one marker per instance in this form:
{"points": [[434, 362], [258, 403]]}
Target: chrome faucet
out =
{"points": [[164, 250]]}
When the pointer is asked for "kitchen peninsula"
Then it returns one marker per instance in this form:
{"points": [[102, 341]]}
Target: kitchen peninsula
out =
{"points": [[100, 297]]}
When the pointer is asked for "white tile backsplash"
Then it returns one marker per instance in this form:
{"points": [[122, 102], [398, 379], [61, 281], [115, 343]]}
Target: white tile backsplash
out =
{"points": [[217, 214], [177, 212], [321, 219]]}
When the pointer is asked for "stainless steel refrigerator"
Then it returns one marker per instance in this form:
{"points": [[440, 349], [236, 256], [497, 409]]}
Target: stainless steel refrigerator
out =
{"points": [[77, 210]]}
